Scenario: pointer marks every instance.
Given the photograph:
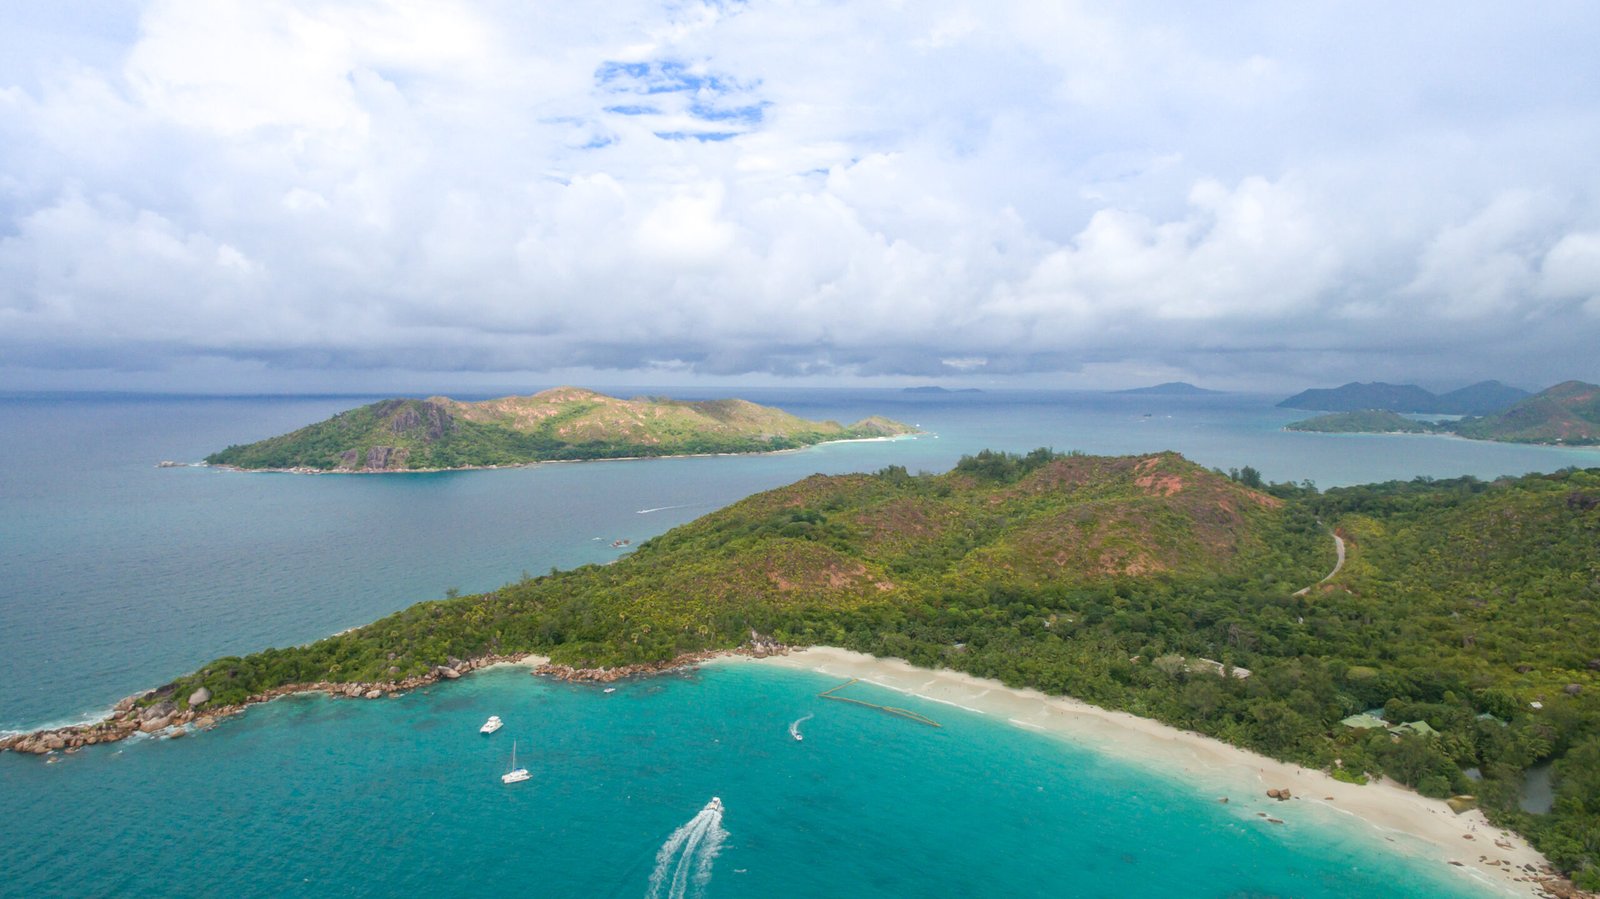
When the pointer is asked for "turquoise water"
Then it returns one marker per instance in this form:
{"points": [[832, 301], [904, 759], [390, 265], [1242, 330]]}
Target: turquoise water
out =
{"points": [[116, 575], [312, 796]]}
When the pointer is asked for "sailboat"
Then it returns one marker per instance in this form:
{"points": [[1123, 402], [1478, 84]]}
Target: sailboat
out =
{"points": [[514, 774]]}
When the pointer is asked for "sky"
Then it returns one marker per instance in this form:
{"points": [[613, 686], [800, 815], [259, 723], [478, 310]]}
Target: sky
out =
{"points": [[273, 195]]}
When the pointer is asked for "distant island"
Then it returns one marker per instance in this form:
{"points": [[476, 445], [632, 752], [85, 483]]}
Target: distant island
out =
{"points": [[1365, 421], [563, 424], [1170, 388], [937, 389], [1482, 398], [1567, 414]]}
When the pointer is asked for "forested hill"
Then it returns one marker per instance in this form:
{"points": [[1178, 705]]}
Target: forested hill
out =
{"points": [[1568, 413], [566, 423], [1137, 583]]}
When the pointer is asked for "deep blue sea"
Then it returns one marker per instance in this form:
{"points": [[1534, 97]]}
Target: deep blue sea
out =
{"points": [[116, 575]]}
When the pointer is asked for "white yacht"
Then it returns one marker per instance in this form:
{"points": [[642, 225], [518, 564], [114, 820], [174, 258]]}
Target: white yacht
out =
{"points": [[514, 774], [492, 725]]}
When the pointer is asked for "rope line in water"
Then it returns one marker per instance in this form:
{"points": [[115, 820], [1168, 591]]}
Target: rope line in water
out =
{"points": [[903, 713]]}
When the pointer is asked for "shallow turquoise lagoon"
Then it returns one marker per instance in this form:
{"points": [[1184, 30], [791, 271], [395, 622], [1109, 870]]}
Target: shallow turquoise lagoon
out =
{"points": [[314, 796]]}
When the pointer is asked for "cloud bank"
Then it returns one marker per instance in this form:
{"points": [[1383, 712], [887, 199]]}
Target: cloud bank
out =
{"points": [[815, 189]]}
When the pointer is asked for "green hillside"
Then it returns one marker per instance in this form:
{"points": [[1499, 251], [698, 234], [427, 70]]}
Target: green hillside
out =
{"points": [[1366, 421], [1568, 413], [1471, 606], [567, 423]]}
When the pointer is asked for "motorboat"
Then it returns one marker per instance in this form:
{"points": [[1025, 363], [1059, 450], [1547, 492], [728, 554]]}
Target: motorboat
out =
{"points": [[493, 724]]}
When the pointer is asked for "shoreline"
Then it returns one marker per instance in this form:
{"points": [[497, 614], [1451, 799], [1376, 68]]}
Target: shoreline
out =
{"points": [[1446, 434], [161, 716], [516, 465], [1497, 859]]}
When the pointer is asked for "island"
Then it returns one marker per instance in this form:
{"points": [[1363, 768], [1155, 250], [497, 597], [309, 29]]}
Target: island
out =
{"points": [[1170, 388], [1567, 414], [1482, 398], [935, 389], [1454, 646], [562, 424], [1365, 421]]}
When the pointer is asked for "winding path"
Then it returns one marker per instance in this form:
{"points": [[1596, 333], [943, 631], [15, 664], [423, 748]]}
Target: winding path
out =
{"points": [[1338, 545]]}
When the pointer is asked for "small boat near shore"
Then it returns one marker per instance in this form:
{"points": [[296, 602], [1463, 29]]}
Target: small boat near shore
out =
{"points": [[794, 728], [514, 774], [493, 724]]}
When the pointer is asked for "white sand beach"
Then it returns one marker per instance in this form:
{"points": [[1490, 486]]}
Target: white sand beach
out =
{"points": [[1391, 814]]}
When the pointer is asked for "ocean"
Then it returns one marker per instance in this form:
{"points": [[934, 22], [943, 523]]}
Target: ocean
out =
{"points": [[116, 575]]}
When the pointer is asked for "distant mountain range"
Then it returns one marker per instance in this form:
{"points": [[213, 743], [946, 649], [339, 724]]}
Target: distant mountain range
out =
{"points": [[1567, 414], [1482, 398], [1171, 388]]}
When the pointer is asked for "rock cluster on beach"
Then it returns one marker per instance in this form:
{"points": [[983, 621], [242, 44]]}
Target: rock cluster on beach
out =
{"points": [[157, 711], [757, 649]]}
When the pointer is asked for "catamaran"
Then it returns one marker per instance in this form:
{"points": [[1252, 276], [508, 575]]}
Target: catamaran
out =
{"points": [[515, 774], [492, 725]]}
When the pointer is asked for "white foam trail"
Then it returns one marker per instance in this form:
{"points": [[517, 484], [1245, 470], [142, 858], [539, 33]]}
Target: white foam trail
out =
{"points": [[794, 729], [666, 508], [688, 853]]}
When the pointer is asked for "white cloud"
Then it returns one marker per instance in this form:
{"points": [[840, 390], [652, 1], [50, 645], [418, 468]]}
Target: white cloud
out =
{"points": [[676, 188]]}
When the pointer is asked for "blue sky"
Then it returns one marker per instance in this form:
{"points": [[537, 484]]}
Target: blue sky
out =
{"points": [[294, 195]]}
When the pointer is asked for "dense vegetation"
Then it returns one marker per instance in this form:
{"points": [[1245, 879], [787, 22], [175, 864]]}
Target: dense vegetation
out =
{"points": [[1469, 605], [1567, 413], [566, 423], [1365, 421]]}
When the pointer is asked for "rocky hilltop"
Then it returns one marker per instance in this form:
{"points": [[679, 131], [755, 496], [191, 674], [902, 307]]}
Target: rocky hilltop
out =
{"points": [[566, 423]]}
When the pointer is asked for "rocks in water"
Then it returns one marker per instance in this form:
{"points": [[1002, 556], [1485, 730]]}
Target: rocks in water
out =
{"points": [[1280, 794], [374, 693], [199, 698], [176, 733]]}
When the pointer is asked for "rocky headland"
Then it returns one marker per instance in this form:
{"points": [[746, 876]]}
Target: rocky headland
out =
{"points": [[158, 712]]}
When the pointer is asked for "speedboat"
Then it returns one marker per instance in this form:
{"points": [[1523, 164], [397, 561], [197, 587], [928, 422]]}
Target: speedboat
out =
{"points": [[492, 725], [715, 804]]}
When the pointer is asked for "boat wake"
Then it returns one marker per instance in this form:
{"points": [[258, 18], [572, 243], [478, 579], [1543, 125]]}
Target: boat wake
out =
{"points": [[666, 508], [794, 729], [685, 859]]}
